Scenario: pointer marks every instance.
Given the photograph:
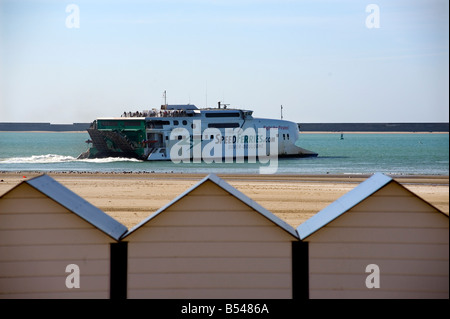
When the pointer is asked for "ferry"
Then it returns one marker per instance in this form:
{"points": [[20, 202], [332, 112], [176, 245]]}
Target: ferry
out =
{"points": [[177, 131]]}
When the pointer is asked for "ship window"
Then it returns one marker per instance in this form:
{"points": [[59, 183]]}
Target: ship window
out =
{"points": [[180, 137], [284, 136], [175, 123], [132, 123], [287, 136], [157, 124], [108, 123], [212, 137], [184, 122], [223, 125], [223, 114]]}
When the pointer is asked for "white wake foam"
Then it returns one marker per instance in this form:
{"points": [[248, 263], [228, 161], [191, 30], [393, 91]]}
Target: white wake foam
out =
{"points": [[54, 158]]}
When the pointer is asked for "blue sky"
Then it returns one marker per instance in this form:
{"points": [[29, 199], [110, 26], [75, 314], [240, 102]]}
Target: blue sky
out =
{"points": [[316, 58]]}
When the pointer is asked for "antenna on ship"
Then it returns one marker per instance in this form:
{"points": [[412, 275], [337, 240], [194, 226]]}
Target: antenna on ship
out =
{"points": [[164, 107], [281, 111], [206, 94]]}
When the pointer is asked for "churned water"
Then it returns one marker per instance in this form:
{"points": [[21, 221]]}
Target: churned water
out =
{"points": [[402, 154]]}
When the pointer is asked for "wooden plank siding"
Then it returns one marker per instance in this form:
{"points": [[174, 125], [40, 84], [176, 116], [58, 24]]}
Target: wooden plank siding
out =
{"points": [[406, 237], [38, 239], [209, 244], [213, 242]]}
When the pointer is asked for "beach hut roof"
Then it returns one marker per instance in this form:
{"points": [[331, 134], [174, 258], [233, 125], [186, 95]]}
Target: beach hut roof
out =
{"points": [[345, 203], [232, 191], [77, 205]]}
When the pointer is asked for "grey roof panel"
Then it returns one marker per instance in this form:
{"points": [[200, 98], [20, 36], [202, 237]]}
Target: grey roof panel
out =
{"points": [[343, 204], [234, 192], [65, 197]]}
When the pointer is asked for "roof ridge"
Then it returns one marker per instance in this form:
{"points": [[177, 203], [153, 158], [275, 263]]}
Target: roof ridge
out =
{"points": [[232, 191], [343, 204], [77, 205]]}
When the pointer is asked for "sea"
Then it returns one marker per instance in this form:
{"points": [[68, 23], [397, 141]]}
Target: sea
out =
{"points": [[393, 154]]}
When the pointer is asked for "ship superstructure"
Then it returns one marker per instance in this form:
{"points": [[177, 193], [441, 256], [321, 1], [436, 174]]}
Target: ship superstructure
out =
{"points": [[185, 131]]}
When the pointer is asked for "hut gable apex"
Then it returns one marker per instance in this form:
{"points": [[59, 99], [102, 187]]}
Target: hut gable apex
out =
{"points": [[77, 205], [343, 204], [348, 201], [223, 186]]}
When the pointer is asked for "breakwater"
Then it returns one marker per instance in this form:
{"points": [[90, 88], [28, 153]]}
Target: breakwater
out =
{"points": [[47, 127], [373, 127], [303, 127]]}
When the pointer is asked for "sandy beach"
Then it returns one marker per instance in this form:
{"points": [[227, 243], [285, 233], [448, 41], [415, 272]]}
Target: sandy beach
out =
{"points": [[131, 197]]}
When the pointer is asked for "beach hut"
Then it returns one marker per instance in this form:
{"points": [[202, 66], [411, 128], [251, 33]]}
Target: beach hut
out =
{"points": [[54, 244], [379, 240], [211, 242]]}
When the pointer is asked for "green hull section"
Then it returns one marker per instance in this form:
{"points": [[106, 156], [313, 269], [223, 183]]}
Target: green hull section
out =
{"points": [[116, 138]]}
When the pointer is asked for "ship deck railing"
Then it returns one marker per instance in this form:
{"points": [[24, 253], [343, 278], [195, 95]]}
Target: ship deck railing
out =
{"points": [[162, 113]]}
